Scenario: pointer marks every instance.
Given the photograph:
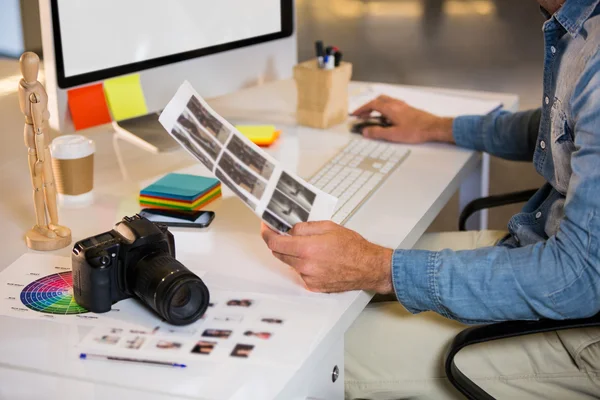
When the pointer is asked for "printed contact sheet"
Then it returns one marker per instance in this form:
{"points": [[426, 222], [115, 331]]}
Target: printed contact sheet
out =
{"points": [[278, 196], [237, 327]]}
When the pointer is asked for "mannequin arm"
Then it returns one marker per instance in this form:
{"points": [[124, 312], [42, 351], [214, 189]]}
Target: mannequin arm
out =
{"points": [[38, 128]]}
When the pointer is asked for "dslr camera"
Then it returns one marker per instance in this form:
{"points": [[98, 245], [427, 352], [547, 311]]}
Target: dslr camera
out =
{"points": [[137, 259]]}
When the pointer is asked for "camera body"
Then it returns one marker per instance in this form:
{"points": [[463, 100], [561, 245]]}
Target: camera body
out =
{"points": [[137, 259], [102, 273]]}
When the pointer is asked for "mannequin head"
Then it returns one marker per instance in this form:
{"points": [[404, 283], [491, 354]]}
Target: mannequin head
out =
{"points": [[30, 66]]}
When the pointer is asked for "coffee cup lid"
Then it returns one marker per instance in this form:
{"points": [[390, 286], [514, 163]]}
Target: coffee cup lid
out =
{"points": [[69, 147]]}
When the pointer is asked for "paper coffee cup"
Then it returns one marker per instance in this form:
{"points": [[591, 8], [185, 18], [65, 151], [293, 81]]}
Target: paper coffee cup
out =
{"points": [[73, 164]]}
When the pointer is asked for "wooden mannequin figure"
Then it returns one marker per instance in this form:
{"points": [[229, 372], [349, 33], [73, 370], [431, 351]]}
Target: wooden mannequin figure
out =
{"points": [[47, 234]]}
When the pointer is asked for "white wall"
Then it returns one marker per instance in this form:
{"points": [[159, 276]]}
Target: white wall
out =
{"points": [[11, 30]]}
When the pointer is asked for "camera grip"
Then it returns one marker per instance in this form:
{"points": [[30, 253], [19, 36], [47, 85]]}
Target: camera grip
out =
{"points": [[92, 287]]}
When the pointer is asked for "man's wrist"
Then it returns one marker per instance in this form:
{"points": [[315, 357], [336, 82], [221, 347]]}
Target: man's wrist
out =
{"points": [[384, 266], [441, 130]]}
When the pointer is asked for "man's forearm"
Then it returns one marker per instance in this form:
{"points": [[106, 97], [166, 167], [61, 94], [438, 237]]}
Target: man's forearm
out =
{"points": [[511, 136], [496, 283]]}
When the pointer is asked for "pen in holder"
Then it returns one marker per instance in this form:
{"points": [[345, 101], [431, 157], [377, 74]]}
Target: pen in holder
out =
{"points": [[322, 94]]}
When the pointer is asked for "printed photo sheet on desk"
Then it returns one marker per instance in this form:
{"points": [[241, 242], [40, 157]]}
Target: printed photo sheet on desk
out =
{"points": [[238, 326], [278, 196]]}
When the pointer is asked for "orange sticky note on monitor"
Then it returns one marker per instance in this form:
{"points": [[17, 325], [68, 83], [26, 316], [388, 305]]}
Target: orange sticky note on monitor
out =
{"points": [[125, 97], [262, 135], [88, 106]]}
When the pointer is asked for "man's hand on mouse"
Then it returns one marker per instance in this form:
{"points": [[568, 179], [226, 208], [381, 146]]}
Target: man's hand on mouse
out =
{"points": [[409, 124], [331, 258]]}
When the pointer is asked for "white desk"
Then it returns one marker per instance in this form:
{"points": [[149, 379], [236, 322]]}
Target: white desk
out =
{"points": [[35, 356]]}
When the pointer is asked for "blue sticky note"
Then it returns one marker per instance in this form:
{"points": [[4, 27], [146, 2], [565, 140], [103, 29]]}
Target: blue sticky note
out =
{"points": [[180, 186]]}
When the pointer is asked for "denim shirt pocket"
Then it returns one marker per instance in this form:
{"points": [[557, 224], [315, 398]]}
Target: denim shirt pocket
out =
{"points": [[562, 146]]}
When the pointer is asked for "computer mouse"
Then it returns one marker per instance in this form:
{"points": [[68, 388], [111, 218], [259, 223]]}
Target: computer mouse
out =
{"points": [[365, 123]]}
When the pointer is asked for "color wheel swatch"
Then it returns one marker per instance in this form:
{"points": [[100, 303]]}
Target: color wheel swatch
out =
{"points": [[52, 294]]}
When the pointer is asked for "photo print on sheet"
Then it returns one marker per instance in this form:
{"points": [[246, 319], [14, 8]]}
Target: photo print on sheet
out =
{"points": [[287, 209], [167, 345], [251, 158], [296, 191], [228, 318], [227, 182], [180, 134], [217, 333], [275, 223], [199, 136], [279, 197], [272, 320], [258, 334], [207, 120], [242, 176], [242, 350], [178, 330], [203, 347], [108, 339], [240, 303], [134, 343]]}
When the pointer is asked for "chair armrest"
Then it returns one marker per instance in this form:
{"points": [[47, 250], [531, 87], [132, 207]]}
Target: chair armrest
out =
{"points": [[491, 202], [502, 330]]}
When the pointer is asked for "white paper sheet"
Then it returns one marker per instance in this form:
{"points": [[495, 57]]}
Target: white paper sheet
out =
{"points": [[442, 105], [283, 328], [275, 194], [238, 327], [50, 297]]}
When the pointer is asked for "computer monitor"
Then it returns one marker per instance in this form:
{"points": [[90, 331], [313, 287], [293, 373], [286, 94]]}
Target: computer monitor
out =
{"points": [[219, 46]]}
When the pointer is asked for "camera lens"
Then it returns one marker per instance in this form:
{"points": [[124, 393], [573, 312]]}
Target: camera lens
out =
{"points": [[182, 297], [187, 298], [169, 288]]}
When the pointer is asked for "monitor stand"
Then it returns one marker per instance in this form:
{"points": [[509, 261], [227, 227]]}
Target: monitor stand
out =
{"points": [[146, 132]]}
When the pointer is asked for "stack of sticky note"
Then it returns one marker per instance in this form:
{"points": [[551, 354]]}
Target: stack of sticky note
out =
{"points": [[262, 135], [180, 192]]}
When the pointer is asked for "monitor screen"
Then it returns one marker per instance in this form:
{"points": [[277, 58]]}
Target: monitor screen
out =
{"points": [[98, 39]]}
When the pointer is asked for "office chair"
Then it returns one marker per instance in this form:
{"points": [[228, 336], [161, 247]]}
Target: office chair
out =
{"points": [[502, 330]]}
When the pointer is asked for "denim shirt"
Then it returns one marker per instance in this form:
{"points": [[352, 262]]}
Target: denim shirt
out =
{"points": [[549, 266]]}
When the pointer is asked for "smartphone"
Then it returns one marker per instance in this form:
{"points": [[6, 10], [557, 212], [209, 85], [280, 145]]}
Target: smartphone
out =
{"points": [[179, 219]]}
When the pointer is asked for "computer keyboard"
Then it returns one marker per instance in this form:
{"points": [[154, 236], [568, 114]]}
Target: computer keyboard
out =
{"points": [[356, 172]]}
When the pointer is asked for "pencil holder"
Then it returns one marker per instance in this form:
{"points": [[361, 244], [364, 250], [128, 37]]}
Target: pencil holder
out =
{"points": [[322, 94]]}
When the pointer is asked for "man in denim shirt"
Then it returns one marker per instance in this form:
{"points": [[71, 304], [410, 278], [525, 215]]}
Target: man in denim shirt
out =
{"points": [[548, 266]]}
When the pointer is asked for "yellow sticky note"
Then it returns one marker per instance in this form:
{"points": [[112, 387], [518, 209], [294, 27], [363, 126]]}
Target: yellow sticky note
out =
{"points": [[125, 97], [262, 135]]}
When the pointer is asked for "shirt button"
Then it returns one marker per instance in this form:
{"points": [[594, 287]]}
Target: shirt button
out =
{"points": [[547, 100], [538, 215], [553, 50], [543, 145]]}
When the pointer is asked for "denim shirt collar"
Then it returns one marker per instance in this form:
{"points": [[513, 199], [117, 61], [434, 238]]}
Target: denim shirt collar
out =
{"points": [[573, 14]]}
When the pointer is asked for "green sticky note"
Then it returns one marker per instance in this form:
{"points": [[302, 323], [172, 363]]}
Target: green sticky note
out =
{"points": [[125, 97]]}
